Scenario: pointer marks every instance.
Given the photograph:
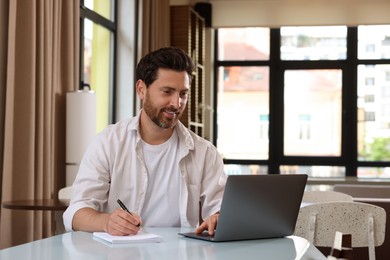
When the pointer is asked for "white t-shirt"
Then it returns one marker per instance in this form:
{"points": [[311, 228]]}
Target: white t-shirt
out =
{"points": [[161, 206]]}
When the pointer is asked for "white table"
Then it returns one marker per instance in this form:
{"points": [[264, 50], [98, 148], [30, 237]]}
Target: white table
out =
{"points": [[81, 245]]}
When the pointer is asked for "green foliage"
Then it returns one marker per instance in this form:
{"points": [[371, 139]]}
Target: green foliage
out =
{"points": [[380, 150], [304, 41]]}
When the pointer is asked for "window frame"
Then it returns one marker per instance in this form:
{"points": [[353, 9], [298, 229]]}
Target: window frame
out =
{"points": [[86, 13], [277, 67]]}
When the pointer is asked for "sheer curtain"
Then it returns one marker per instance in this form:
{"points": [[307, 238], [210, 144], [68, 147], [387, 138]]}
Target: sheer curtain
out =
{"points": [[39, 50]]}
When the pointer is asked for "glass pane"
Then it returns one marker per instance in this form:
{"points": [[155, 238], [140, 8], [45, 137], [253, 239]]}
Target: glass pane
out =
{"points": [[374, 112], [87, 57], [374, 42], [103, 7], [97, 68], [236, 169], [312, 112], [373, 172], [243, 43], [314, 43], [313, 171], [243, 110]]}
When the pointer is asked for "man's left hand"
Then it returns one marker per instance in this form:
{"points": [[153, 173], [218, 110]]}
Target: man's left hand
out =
{"points": [[209, 224]]}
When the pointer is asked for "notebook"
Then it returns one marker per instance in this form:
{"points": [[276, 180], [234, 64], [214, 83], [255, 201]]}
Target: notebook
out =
{"points": [[141, 237], [257, 206]]}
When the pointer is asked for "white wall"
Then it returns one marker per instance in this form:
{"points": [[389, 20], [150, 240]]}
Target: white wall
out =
{"points": [[276, 13]]}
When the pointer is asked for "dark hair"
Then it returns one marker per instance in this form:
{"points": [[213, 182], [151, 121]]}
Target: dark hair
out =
{"points": [[166, 58]]}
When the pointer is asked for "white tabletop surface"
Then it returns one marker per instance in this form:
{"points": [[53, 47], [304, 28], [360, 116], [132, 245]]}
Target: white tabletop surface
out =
{"points": [[82, 245]]}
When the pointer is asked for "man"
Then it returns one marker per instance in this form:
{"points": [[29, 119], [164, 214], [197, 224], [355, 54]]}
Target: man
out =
{"points": [[159, 169]]}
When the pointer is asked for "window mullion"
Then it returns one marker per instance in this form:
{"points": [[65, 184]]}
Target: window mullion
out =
{"points": [[276, 105], [349, 101]]}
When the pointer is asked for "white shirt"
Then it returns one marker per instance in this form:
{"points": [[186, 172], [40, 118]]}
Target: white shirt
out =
{"points": [[113, 167], [162, 166]]}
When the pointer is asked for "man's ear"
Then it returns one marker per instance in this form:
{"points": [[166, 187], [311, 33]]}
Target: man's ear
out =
{"points": [[140, 88]]}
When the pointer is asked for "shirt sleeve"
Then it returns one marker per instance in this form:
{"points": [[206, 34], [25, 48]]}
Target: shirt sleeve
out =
{"points": [[213, 183], [92, 182]]}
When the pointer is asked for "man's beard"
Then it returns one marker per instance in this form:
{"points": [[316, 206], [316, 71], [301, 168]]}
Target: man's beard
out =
{"points": [[158, 117]]}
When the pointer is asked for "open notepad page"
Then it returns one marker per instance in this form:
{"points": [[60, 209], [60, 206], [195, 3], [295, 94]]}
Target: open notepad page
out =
{"points": [[141, 237]]}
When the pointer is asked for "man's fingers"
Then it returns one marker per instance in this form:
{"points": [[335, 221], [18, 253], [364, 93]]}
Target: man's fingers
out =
{"points": [[209, 224], [213, 223], [122, 223]]}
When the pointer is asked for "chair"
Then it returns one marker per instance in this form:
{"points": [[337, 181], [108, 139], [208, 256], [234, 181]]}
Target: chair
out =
{"points": [[325, 196], [378, 195], [64, 194], [342, 247], [319, 222]]}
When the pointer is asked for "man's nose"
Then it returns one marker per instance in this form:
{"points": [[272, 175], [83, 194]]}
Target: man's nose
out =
{"points": [[176, 100]]}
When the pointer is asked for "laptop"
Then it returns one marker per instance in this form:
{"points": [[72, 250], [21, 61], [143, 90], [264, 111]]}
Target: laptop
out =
{"points": [[257, 207]]}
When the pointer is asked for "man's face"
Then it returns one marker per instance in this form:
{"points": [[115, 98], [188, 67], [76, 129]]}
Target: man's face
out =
{"points": [[165, 99]]}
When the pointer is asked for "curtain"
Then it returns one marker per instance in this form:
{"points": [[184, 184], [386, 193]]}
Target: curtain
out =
{"points": [[153, 30], [41, 41], [3, 70], [155, 25]]}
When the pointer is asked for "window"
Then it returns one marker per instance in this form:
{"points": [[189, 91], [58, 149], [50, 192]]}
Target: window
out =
{"points": [[304, 127], [318, 93], [313, 43], [370, 81], [264, 126], [369, 99], [370, 116], [239, 90], [97, 55], [312, 100], [244, 44]]}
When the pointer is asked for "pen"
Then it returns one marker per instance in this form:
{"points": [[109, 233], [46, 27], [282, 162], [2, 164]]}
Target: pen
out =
{"points": [[125, 209]]}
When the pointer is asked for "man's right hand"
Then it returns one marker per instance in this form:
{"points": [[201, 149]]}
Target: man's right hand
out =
{"points": [[122, 223], [118, 223]]}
